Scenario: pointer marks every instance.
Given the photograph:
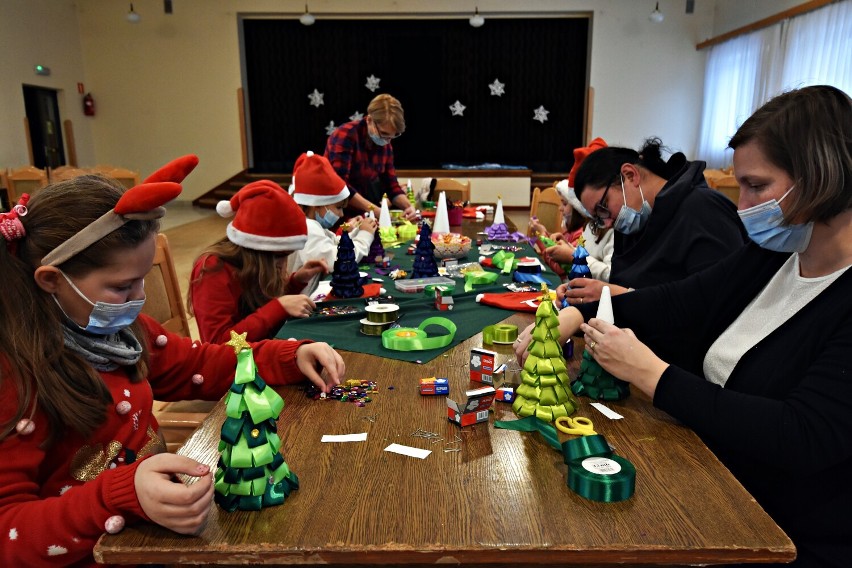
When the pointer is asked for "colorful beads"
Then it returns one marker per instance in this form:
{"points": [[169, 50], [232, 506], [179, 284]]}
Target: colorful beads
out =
{"points": [[353, 390]]}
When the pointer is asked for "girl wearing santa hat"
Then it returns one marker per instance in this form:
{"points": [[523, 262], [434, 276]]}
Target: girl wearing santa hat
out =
{"points": [[323, 195], [241, 283], [80, 451]]}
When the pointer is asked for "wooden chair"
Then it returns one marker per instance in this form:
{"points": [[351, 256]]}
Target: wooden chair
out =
{"points": [[24, 180], [63, 173], [128, 178], [454, 189], [164, 303], [545, 205], [725, 184]]}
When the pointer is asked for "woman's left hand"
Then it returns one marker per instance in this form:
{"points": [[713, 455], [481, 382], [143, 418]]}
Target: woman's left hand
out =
{"points": [[620, 353], [314, 358], [309, 269], [410, 213]]}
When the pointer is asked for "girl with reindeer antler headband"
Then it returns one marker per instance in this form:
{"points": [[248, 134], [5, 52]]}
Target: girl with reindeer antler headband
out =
{"points": [[80, 451]]}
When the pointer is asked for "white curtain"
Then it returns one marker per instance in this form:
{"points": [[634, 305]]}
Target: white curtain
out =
{"points": [[744, 72]]}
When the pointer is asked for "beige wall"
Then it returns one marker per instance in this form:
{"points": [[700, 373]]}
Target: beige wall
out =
{"points": [[167, 86]]}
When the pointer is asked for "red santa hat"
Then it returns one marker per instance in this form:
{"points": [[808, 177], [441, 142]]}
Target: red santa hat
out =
{"points": [[265, 218], [580, 154], [316, 183]]}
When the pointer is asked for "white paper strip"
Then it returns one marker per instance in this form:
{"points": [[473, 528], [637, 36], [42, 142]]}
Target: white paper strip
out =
{"points": [[408, 451], [608, 412], [362, 437]]}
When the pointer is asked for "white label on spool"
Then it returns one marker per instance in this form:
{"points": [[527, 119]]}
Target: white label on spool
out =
{"points": [[601, 466]]}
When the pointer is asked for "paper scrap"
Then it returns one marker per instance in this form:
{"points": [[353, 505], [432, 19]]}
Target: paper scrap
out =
{"points": [[362, 437], [408, 451], [608, 412]]}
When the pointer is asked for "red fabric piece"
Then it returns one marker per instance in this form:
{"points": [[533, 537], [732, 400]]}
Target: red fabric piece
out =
{"points": [[580, 154], [45, 507], [175, 171], [147, 196], [513, 301]]}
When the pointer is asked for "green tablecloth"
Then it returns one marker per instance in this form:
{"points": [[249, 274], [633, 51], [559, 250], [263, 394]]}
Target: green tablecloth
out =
{"points": [[343, 332]]}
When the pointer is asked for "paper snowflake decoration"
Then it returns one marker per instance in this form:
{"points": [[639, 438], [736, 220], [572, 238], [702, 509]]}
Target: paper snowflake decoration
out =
{"points": [[316, 98], [356, 116], [540, 114], [330, 127], [476, 361], [497, 88], [457, 109], [372, 83]]}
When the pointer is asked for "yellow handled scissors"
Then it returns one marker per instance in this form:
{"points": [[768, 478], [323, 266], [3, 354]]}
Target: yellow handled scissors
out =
{"points": [[581, 425]]}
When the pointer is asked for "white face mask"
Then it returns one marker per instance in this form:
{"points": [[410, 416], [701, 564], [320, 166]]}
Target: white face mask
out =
{"points": [[106, 319]]}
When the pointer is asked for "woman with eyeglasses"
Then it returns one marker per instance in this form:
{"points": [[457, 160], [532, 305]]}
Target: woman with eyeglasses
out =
{"points": [[668, 223], [361, 153], [755, 353]]}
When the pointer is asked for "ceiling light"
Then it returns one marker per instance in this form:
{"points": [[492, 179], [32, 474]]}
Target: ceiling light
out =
{"points": [[132, 16], [307, 19], [657, 16], [476, 20]]}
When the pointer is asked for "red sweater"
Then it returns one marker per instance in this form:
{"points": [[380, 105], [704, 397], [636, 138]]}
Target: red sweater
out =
{"points": [[54, 503], [216, 304]]}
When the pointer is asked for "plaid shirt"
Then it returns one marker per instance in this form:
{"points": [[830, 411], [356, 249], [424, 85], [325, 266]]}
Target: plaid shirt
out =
{"points": [[359, 161]]}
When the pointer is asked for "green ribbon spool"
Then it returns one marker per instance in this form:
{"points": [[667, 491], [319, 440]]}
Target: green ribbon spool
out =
{"points": [[578, 449], [500, 333], [407, 231], [416, 339], [382, 313], [476, 277], [605, 479]]}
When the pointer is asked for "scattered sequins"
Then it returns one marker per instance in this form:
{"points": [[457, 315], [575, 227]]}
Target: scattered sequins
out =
{"points": [[354, 391], [328, 311]]}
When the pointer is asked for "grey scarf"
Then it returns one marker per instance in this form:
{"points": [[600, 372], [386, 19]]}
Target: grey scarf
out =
{"points": [[104, 352]]}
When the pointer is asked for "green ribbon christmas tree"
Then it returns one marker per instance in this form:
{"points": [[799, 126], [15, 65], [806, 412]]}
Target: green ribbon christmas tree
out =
{"points": [[545, 390], [251, 473], [593, 381]]}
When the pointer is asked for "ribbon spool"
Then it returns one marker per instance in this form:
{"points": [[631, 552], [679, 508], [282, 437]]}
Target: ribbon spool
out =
{"points": [[374, 328], [605, 479], [500, 334], [416, 339], [382, 313]]}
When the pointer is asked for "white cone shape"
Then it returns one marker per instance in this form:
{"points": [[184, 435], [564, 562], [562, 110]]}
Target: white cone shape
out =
{"points": [[498, 213], [442, 220], [384, 215], [605, 306]]}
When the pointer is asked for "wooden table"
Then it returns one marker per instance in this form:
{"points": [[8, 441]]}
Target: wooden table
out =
{"points": [[502, 499]]}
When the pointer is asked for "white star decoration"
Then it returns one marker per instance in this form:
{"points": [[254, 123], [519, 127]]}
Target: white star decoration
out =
{"points": [[316, 98], [497, 88], [356, 116], [372, 83], [330, 128], [457, 109], [13, 534], [540, 114]]}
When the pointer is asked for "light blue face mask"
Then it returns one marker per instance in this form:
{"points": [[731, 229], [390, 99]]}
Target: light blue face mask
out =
{"points": [[629, 220], [328, 220], [106, 319], [378, 140], [765, 226]]}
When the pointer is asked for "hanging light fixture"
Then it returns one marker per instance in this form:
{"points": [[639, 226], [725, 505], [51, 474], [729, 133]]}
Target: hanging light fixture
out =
{"points": [[307, 19], [132, 16], [476, 20], [657, 16]]}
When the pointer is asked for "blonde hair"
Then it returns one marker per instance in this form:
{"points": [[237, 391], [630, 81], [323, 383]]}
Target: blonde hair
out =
{"points": [[384, 109]]}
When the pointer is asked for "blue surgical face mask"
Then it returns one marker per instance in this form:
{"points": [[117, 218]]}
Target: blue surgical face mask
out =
{"points": [[629, 220], [106, 319], [765, 226], [328, 220], [378, 140]]}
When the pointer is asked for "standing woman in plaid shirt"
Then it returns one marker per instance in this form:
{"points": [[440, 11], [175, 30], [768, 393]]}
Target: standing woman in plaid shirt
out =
{"points": [[361, 153]]}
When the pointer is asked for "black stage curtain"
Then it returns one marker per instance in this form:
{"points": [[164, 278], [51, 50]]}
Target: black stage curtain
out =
{"points": [[427, 65]]}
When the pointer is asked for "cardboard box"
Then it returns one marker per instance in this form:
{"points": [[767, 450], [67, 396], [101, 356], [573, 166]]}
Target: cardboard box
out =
{"points": [[474, 409], [434, 385], [482, 366], [505, 394]]}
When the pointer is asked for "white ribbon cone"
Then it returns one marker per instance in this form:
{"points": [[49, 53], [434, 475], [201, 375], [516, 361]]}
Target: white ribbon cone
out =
{"points": [[442, 220], [498, 213], [384, 215], [605, 306]]}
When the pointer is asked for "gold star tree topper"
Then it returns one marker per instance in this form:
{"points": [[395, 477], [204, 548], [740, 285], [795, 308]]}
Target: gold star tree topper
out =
{"points": [[238, 341]]}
